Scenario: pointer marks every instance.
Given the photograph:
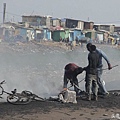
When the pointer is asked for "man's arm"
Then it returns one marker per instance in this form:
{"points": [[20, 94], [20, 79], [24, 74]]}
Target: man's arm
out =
{"points": [[105, 57], [65, 80]]}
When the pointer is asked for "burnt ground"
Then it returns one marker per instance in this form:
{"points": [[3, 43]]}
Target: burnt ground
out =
{"points": [[112, 101]]}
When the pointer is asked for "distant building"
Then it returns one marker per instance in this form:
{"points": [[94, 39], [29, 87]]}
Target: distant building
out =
{"points": [[88, 25], [109, 28], [72, 23], [36, 20], [117, 29], [56, 22]]}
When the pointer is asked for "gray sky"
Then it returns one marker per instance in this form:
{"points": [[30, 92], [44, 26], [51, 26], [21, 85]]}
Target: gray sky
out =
{"points": [[98, 11]]}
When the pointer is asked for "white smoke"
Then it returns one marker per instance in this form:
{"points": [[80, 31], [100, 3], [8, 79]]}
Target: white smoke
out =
{"points": [[41, 71]]}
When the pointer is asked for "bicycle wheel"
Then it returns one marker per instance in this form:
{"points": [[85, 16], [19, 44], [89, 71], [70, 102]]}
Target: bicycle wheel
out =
{"points": [[16, 100], [1, 90]]}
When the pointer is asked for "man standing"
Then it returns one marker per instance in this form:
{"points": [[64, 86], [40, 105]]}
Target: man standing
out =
{"points": [[91, 72], [102, 89], [70, 74]]}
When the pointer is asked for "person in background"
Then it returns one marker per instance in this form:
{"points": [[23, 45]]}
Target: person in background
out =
{"points": [[91, 73], [102, 90], [71, 71]]}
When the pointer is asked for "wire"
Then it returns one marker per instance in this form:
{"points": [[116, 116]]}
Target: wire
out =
{"points": [[13, 14]]}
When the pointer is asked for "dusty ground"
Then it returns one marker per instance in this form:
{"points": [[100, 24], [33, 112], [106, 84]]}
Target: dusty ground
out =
{"points": [[103, 109]]}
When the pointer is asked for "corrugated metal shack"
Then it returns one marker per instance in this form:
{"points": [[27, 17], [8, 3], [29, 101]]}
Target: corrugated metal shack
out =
{"points": [[75, 34], [57, 35], [47, 34], [91, 34]]}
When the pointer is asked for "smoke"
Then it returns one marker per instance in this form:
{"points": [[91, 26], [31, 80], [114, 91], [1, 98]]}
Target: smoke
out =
{"points": [[40, 69], [40, 83], [33, 71]]}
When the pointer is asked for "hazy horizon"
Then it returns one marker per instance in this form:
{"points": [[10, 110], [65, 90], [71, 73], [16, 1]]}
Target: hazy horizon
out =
{"points": [[100, 12]]}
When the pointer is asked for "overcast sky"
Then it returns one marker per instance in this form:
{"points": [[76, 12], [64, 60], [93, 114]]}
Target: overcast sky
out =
{"points": [[98, 11]]}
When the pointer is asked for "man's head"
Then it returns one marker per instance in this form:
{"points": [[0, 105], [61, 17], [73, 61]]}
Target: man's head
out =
{"points": [[92, 48], [88, 46]]}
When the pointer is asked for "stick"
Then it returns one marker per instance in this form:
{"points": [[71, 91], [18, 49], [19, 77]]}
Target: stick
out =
{"points": [[78, 82], [76, 86], [112, 67]]}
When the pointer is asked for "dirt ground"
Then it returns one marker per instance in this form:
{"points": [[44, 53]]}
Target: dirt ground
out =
{"points": [[106, 108]]}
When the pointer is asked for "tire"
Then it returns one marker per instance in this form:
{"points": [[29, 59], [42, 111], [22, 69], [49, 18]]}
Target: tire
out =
{"points": [[1, 90], [16, 100]]}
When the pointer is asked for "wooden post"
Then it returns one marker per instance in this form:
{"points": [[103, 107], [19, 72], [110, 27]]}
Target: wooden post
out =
{"points": [[4, 11]]}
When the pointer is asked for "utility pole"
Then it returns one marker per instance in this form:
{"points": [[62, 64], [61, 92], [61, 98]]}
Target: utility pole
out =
{"points": [[4, 11], [88, 19]]}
